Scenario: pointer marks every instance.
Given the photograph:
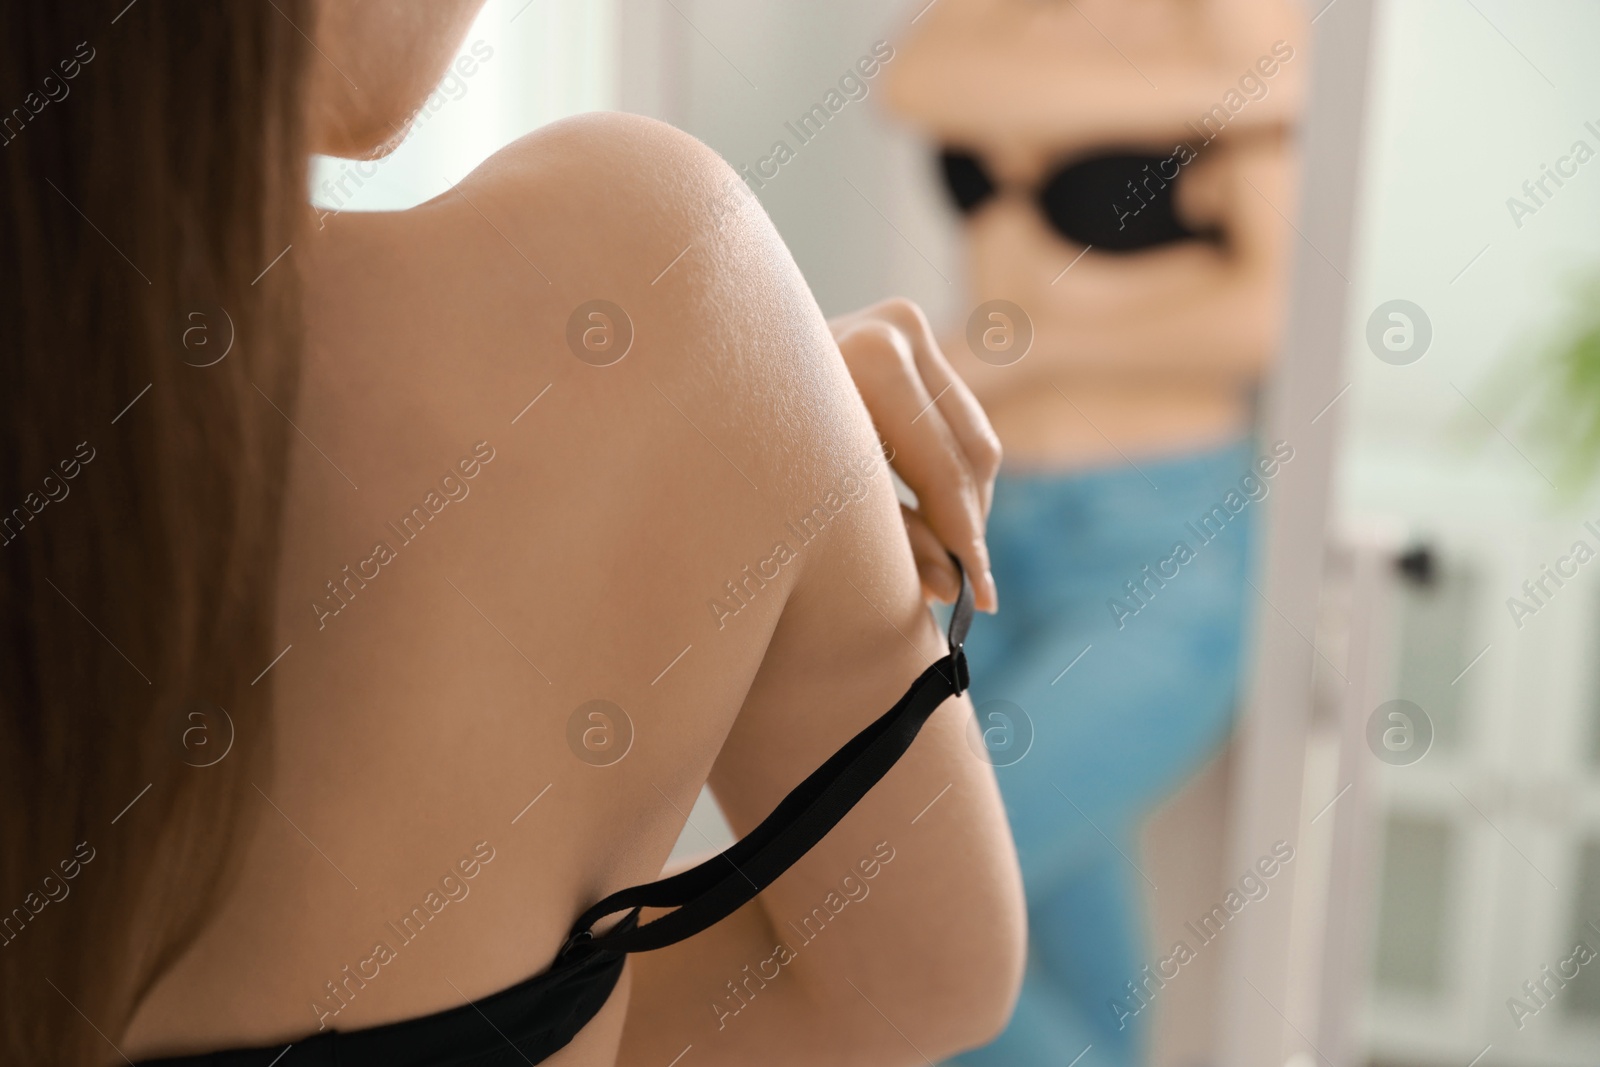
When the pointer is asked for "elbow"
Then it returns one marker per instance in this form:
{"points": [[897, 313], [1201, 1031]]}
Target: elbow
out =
{"points": [[991, 1024], [1002, 999], [992, 985], [957, 995], [975, 959], [978, 976]]}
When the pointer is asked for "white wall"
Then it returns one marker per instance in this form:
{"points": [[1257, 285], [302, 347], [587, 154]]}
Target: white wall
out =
{"points": [[732, 73], [547, 59], [1462, 115]]}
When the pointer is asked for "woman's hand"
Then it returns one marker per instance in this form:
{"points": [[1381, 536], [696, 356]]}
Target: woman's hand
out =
{"points": [[942, 444]]}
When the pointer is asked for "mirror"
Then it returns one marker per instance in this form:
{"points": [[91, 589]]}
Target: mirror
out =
{"points": [[1415, 754]]}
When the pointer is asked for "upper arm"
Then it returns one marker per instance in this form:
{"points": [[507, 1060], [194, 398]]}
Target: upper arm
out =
{"points": [[766, 537], [845, 631]]}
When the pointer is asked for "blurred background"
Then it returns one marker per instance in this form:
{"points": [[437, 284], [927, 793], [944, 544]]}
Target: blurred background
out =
{"points": [[1420, 709]]}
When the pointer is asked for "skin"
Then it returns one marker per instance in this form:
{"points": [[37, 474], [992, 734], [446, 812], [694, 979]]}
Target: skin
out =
{"points": [[944, 448], [434, 707], [1150, 353]]}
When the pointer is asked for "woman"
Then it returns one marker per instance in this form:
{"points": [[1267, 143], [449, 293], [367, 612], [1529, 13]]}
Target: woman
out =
{"points": [[373, 609], [1125, 172]]}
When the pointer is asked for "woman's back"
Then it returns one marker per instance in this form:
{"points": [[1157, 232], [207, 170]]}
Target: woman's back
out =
{"points": [[531, 599]]}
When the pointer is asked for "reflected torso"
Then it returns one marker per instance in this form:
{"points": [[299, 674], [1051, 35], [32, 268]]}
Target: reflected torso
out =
{"points": [[1152, 352]]}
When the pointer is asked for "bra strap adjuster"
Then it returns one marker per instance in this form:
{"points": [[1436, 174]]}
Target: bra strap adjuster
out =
{"points": [[958, 658], [574, 939]]}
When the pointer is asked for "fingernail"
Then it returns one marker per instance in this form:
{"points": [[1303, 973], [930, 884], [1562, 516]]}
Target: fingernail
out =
{"points": [[994, 590]]}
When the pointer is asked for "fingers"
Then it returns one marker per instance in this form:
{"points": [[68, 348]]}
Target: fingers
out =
{"points": [[939, 579], [961, 410], [926, 451]]}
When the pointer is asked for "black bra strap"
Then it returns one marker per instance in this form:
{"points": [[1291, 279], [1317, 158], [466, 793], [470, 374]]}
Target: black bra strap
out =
{"points": [[711, 891]]}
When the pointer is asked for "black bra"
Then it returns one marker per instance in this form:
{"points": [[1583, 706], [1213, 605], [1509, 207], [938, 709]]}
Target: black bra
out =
{"points": [[1117, 201], [537, 1017]]}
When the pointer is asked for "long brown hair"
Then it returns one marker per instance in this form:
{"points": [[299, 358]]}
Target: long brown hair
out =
{"points": [[152, 167]]}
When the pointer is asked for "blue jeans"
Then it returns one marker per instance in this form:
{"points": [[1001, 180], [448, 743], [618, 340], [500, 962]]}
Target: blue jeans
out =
{"points": [[1147, 696]]}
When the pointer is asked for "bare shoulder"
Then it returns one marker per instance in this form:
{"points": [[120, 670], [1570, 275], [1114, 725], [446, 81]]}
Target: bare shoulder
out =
{"points": [[605, 154], [614, 199], [613, 255], [633, 211], [606, 304]]}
